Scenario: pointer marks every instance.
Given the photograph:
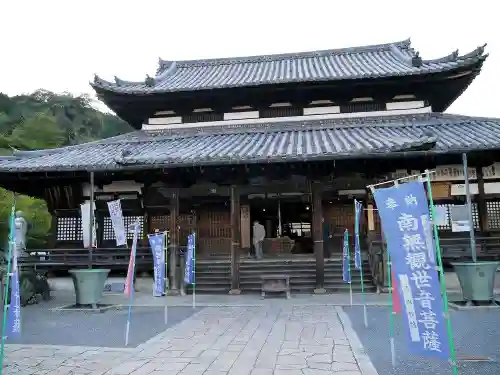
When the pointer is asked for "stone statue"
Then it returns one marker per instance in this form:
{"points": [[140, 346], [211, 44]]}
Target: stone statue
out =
{"points": [[21, 228]]}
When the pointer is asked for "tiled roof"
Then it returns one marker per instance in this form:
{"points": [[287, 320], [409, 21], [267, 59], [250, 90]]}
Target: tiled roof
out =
{"points": [[376, 61], [268, 143]]}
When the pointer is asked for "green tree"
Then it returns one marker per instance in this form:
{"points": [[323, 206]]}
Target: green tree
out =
{"points": [[38, 132], [44, 120]]}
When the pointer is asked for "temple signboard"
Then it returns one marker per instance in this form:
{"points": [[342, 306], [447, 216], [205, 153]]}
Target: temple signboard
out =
{"points": [[456, 173], [445, 173], [452, 173]]}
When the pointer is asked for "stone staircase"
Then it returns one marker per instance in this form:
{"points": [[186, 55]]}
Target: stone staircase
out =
{"points": [[214, 276]]}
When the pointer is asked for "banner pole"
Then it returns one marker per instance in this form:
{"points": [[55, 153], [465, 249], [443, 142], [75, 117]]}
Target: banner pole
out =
{"points": [[453, 358], [391, 314], [365, 314], [7, 280], [131, 284], [356, 233], [349, 272], [165, 252], [194, 270], [389, 284], [131, 291]]}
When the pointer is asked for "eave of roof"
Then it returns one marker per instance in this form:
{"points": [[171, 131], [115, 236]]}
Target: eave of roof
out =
{"points": [[374, 61], [370, 137]]}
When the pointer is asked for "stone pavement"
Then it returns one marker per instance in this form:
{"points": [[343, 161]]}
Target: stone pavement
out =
{"points": [[255, 340]]}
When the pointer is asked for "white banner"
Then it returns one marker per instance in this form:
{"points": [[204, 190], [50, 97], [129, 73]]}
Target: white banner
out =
{"points": [[85, 208], [116, 216]]}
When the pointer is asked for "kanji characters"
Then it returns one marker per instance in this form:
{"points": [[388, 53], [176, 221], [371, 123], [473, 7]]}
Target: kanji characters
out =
{"points": [[411, 200], [17, 325], [407, 222], [421, 279], [428, 319], [391, 203], [425, 299], [417, 261], [413, 242], [431, 341]]}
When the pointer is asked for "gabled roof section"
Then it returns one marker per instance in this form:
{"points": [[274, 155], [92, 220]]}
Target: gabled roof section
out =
{"points": [[374, 61], [354, 138]]}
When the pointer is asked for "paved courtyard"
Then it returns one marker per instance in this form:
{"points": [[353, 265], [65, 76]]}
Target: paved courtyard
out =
{"points": [[275, 339], [476, 335], [43, 326], [235, 335]]}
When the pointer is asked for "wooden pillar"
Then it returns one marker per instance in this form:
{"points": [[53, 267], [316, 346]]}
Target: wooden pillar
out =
{"points": [[377, 257], [145, 215], [235, 239], [52, 241], [99, 218], [173, 232], [317, 234], [482, 208]]}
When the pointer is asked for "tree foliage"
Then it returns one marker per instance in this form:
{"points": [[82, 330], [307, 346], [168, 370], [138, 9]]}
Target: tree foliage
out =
{"points": [[46, 120]]}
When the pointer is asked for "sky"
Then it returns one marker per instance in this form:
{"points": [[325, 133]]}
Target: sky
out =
{"points": [[58, 45]]}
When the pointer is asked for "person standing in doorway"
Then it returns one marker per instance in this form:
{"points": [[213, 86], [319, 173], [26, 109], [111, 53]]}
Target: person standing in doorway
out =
{"points": [[259, 233]]}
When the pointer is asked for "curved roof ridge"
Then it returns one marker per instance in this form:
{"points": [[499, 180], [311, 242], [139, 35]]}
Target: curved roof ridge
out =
{"points": [[403, 44], [51, 151], [124, 82], [445, 59], [370, 61], [477, 53]]}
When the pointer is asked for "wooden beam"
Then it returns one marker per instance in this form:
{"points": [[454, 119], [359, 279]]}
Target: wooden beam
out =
{"points": [[235, 239], [482, 207], [174, 241], [317, 233]]}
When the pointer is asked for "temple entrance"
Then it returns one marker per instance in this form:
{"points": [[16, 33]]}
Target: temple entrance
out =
{"points": [[287, 220]]}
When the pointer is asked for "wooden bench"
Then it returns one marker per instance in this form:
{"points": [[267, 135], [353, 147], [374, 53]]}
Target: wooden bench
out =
{"points": [[275, 284]]}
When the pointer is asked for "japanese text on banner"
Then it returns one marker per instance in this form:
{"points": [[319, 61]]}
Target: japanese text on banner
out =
{"points": [[405, 219], [358, 208], [14, 313], [189, 269], [346, 272], [116, 216], [157, 243]]}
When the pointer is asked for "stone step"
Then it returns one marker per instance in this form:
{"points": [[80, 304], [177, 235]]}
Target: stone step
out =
{"points": [[215, 277]]}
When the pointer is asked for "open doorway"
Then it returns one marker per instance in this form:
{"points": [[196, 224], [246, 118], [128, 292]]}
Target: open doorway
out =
{"points": [[284, 218]]}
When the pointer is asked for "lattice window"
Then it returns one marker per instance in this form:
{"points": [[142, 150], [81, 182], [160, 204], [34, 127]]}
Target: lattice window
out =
{"points": [[362, 107], [281, 112], [129, 220], [447, 211], [202, 117], [68, 228], [107, 229], [493, 210]]}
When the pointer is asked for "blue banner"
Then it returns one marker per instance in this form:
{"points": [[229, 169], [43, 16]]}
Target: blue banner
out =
{"points": [[358, 208], [14, 312], [157, 243], [346, 271], [190, 254], [405, 220]]}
